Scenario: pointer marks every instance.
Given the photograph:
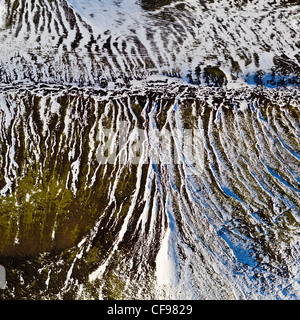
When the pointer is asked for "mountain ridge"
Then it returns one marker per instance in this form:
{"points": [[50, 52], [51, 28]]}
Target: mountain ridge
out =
{"points": [[183, 47]]}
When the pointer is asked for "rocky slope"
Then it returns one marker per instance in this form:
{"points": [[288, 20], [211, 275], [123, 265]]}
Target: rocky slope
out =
{"points": [[216, 219]]}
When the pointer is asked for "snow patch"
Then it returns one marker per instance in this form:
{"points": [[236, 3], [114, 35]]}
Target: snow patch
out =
{"points": [[165, 268], [121, 15], [2, 13]]}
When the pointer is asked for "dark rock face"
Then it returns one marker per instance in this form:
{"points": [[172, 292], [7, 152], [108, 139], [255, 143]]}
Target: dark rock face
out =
{"points": [[214, 76], [154, 4]]}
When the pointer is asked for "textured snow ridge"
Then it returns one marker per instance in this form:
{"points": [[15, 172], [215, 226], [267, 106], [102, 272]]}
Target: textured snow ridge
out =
{"points": [[85, 42], [220, 222]]}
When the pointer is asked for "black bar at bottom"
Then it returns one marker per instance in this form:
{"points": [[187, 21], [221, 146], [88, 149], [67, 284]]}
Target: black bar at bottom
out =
{"points": [[131, 309]]}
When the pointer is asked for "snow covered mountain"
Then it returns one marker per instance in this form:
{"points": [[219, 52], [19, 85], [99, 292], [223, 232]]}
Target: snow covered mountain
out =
{"points": [[85, 42], [150, 149]]}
